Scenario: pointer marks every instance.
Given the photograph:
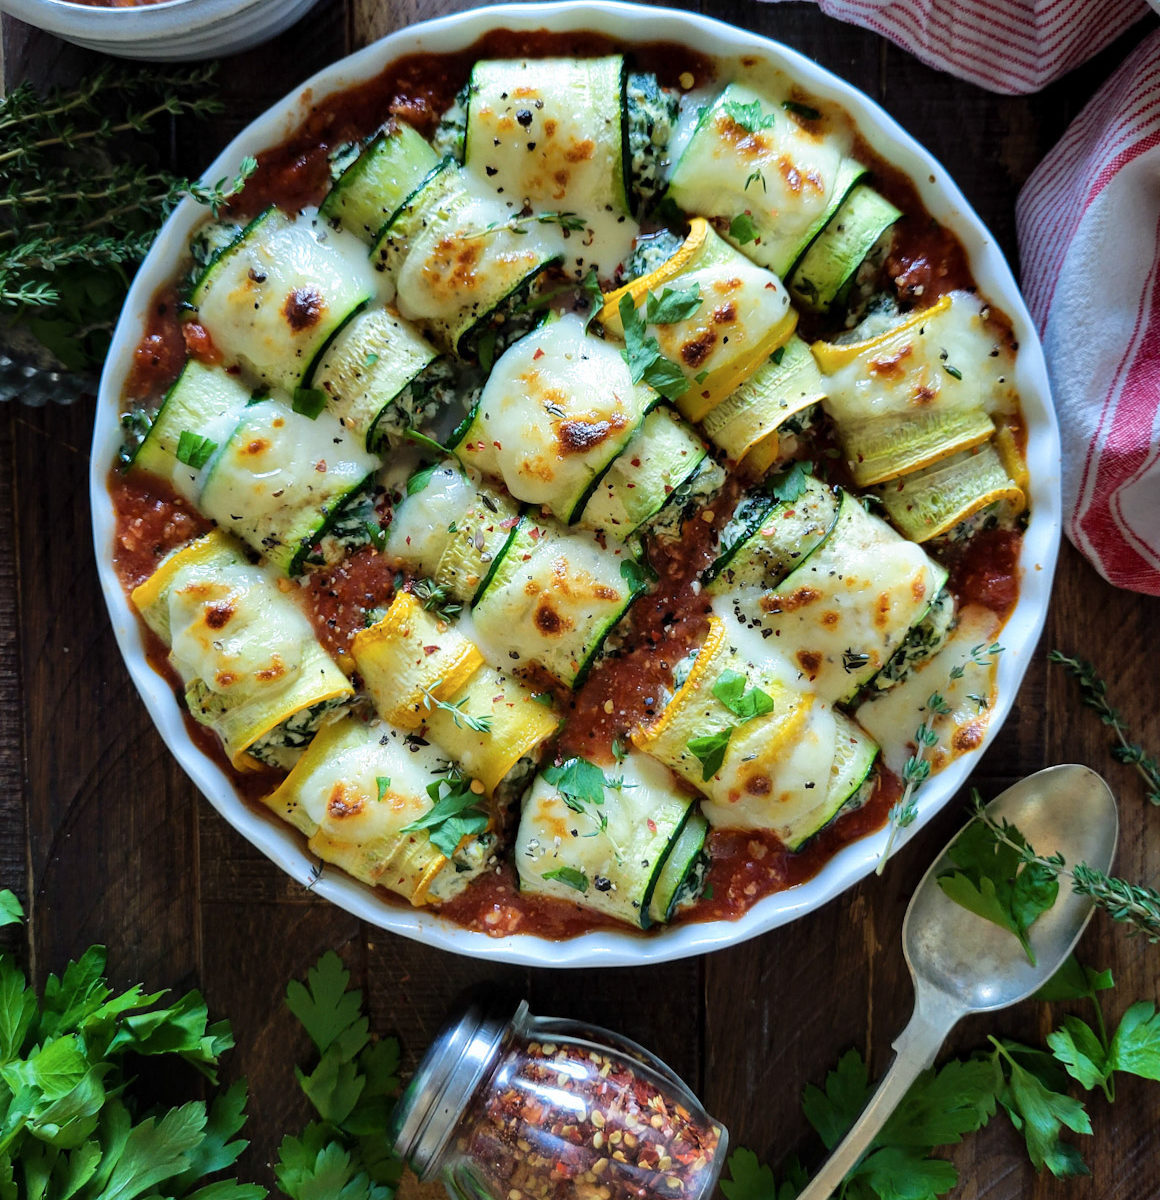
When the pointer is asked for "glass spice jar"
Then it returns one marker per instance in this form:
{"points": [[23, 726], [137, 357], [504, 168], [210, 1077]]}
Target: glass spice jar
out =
{"points": [[518, 1107]]}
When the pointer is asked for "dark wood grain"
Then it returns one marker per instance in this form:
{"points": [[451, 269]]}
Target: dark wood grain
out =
{"points": [[109, 841]]}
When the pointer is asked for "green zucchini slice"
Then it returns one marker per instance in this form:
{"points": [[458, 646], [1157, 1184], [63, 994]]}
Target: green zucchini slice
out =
{"points": [[601, 838], [371, 375], [558, 408], [553, 599], [661, 457], [841, 614], [785, 536], [683, 874], [278, 295], [754, 169], [370, 191], [281, 479], [551, 133], [454, 257], [825, 272]]}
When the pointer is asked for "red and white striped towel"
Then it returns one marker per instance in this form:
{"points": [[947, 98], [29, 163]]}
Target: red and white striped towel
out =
{"points": [[1010, 46], [1088, 222]]}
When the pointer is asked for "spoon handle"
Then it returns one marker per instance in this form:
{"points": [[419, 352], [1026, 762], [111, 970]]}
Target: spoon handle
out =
{"points": [[915, 1049]]}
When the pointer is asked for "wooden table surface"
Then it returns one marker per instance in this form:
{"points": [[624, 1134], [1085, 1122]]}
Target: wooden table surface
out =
{"points": [[107, 840]]}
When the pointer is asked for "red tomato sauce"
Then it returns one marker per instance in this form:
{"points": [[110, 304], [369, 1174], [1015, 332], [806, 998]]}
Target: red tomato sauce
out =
{"points": [[625, 691]]}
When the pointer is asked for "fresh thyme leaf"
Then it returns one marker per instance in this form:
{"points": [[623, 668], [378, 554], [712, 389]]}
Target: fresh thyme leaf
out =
{"points": [[745, 703], [643, 355], [309, 401], [672, 306], [953, 372], [993, 880], [755, 177], [1094, 694], [377, 535], [709, 750], [194, 450], [801, 110], [455, 711], [790, 484], [569, 876], [420, 479], [436, 599], [742, 229], [421, 439], [619, 750], [751, 117]]}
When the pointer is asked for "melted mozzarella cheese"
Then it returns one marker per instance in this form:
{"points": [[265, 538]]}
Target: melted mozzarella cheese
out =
{"points": [[420, 526], [280, 474], [273, 301], [231, 627], [949, 360], [740, 304], [782, 174], [553, 606], [547, 132], [841, 614], [557, 407]]}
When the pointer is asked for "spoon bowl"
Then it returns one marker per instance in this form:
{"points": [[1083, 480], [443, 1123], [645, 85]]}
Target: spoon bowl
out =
{"points": [[961, 963]]}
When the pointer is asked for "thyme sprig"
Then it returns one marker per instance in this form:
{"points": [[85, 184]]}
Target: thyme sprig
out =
{"points": [[915, 773], [570, 222], [82, 194], [1094, 694], [1132, 904], [455, 711]]}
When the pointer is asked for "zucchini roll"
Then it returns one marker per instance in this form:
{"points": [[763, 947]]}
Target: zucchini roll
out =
{"points": [[368, 193], [452, 530], [425, 676], [253, 669], [558, 407], [623, 841], [765, 753], [924, 389], [275, 296], [723, 319], [454, 257], [843, 606], [280, 479], [364, 795], [766, 172]]}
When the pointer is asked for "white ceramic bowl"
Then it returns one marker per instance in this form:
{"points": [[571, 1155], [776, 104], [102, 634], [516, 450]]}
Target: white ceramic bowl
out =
{"points": [[625, 22], [173, 31]]}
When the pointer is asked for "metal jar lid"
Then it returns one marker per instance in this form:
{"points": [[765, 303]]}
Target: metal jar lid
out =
{"points": [[445, 1081]]}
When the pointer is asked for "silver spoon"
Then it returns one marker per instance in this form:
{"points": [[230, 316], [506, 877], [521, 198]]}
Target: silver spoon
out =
{"points": [[962, 964]]}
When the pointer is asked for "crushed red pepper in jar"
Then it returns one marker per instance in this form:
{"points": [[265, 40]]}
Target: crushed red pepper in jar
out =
{"points": [[544, 1109]]}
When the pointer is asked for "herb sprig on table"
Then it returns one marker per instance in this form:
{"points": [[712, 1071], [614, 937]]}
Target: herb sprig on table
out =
{"points": [[82, 195]]}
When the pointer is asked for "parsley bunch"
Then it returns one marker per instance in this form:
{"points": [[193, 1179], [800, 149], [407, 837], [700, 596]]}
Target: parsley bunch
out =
{"points": [[74, 1125]]}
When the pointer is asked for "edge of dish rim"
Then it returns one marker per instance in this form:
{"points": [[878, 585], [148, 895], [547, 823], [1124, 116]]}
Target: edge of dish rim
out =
{"points": [[604, 947]]}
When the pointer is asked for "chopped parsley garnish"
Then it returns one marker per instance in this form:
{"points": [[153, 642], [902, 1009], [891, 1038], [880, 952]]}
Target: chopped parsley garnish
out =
{"points": [[371, 359], [377, 535], [643, 355], [382, 782], [751, 117], [194, 450], [309, 401], [570, 877], [801, 110], [745, 703], [742, 229], [672, 306], [790, 484], [634, 575], [709, 750], [544, 698], [453, 816], [580, 783], [777, 356]]}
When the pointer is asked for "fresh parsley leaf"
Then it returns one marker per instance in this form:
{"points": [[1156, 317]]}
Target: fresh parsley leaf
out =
{"points": [[777, 356], [570, 877], [745, 703], [790, 484], [544, 698], [1074, 981], [323, 1005], [742, 229], [992, 882], [643, 354], [634, 575], [751, 117], [382, 783], [1136, 1043], [11, 910], [943, 1104], [194, 450], [709, 750], [672, 306], [580, 783], [749, 1179], [309, 401], [454, 815], [420, 479], [590, 287], [1077, 1046], [421, 439], [897, 1173], [832, 1110]]}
